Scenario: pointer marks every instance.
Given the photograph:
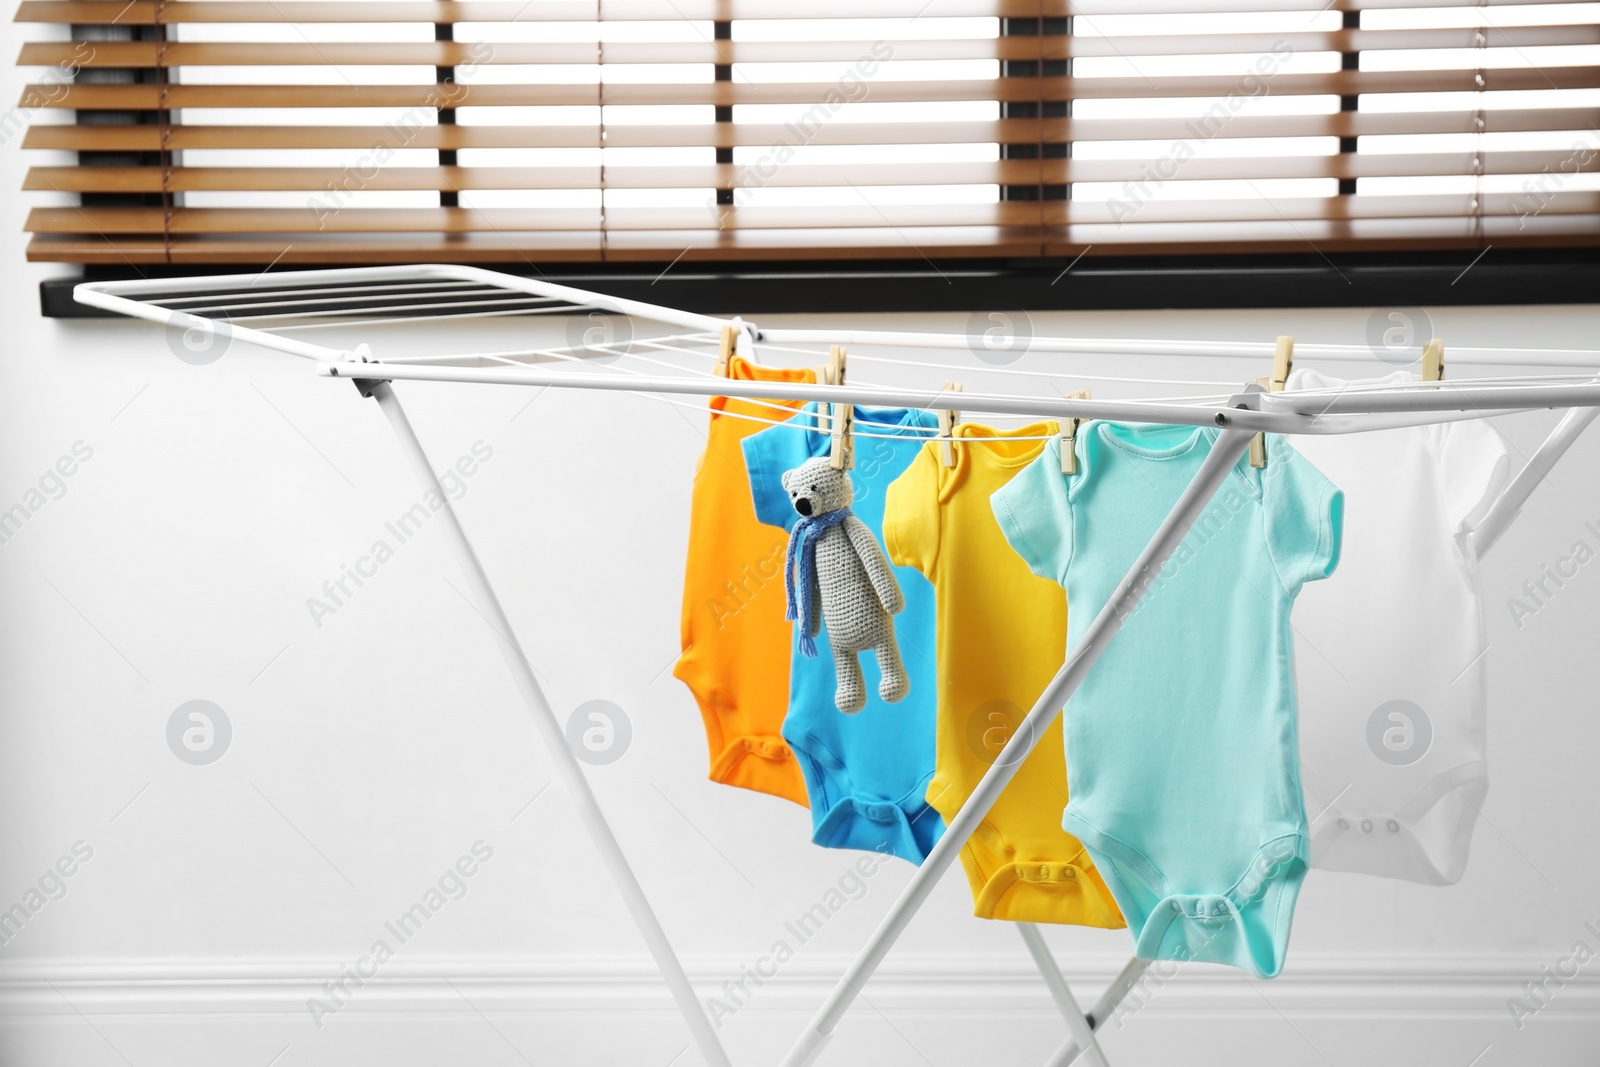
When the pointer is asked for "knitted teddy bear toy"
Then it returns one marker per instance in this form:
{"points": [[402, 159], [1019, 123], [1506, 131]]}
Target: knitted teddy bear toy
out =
{"points": [[834, 562]]}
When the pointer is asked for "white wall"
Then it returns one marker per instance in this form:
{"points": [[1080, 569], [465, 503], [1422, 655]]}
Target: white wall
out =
{"points": [[371, 752]]}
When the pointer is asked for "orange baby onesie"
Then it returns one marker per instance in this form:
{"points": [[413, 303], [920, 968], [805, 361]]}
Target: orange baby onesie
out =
{"points": [[1001, 633], [736, 644]]}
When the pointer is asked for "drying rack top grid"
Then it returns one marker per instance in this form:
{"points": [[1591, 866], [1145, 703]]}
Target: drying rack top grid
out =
{"points": [[317, 315]]}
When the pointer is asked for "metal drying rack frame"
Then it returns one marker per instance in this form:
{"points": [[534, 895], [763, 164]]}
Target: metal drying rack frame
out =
{"points": [[364, 290]]}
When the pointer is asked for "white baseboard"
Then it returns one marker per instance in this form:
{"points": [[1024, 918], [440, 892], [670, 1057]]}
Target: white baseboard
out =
{"points": [[1429, 986], [917, 1012]]}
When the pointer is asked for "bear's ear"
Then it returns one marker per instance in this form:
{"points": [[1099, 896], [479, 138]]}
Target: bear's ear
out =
{"points": [[788, 476]]}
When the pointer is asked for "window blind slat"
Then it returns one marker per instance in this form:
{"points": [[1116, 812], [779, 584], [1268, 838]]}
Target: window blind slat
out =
{"points": [[732, 94], [177, 12], [1013, 214], [796, 176], [244, 131], [1003, 131], [1047, 47], [965, 242]]}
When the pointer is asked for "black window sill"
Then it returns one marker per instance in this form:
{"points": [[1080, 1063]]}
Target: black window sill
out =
{"points": [[1557, 276]]}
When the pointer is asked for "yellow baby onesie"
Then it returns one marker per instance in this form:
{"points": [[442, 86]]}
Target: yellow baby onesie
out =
{"points": [[736, 644], [1001, 636]]}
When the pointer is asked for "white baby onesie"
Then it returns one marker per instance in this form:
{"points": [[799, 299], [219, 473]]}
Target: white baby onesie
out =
{"points": [[1390, 653]]}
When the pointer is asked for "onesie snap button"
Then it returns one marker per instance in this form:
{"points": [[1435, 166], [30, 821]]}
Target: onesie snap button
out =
{"points": [[878, 812], [1366, 826], [1394, 827], [1344, 824], [1177, 905], [1044, 872]]}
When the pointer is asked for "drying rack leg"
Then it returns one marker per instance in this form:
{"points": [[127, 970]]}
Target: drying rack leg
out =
{"points": [[1117, 991], [1104, 1008], [554, 737], [1077, 1026], [1516, 493], [1224, 454]]}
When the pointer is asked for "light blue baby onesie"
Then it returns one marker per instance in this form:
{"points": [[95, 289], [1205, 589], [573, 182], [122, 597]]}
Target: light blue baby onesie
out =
{"points": [[866, 773], [1182, 745]]}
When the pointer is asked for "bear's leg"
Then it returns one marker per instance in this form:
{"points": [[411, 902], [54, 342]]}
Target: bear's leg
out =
{"points": [[893, 682], [851, 696]]}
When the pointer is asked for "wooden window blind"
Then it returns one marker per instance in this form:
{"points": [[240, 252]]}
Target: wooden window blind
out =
{"points": [[364, 131]]}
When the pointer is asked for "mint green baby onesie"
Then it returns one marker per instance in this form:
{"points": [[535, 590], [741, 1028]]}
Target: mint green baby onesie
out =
{"points": [[1182, 745]]}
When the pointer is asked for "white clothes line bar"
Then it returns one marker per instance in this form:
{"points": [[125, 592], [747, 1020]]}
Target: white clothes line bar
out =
{"points": [[515, 305], [521, 356], [1446, 396], [351, 308], [1122, 346], [1239, 412], [301, 292]]}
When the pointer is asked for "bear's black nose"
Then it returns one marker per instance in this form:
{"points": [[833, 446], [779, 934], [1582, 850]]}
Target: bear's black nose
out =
{"points": [[803, 506]]}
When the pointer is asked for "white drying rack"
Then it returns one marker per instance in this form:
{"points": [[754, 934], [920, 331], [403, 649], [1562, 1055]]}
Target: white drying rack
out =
{"points": [[281, 306]]}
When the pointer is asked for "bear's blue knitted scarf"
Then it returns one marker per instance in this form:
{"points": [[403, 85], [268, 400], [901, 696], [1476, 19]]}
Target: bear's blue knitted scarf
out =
{"points": [[803, 549]]}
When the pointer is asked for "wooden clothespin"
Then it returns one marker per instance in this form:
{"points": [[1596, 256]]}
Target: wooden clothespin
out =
{"points": [[841, 456], [1069, 436], [1433, 361], [824, 419], [947, 428], [1282, 364], [729, 339]]}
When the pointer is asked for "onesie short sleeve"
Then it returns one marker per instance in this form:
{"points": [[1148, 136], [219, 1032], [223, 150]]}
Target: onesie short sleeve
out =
{"points": [[911, 514], [770, 453], [1475, 467], [1035, 514], [1304, 517]]}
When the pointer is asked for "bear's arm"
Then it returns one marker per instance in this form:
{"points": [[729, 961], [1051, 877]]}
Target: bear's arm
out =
{"points": [[876, 564]]}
